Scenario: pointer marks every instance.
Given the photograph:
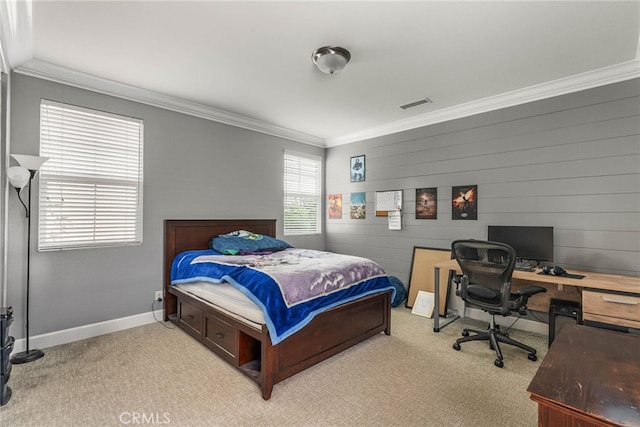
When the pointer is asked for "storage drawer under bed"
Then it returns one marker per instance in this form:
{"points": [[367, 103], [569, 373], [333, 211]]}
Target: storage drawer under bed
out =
{"points": [[220, 333], [190, 317], [221, 337]]}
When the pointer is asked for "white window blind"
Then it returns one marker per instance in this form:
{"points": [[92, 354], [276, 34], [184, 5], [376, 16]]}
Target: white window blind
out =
{"points": [[91, 186], [302, 194]]}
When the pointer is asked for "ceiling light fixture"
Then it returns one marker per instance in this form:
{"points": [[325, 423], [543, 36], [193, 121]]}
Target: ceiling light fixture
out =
{"points": [[330, 59]]}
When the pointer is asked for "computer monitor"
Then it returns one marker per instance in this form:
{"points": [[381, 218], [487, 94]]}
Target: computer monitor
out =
{"points": [[530, 243]]}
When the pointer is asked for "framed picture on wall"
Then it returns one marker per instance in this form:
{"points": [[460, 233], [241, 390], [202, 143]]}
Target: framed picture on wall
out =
{"points": [[357, 169], [358, 208], [464, 202], [335, 206], [427, 203]]}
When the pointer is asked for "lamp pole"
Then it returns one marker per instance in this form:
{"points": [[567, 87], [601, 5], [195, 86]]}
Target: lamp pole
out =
{"points": [[28, 355]]}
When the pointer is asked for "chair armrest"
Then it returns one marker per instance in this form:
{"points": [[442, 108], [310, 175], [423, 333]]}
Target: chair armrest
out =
{"points": [[530, 290], [457, 279]]}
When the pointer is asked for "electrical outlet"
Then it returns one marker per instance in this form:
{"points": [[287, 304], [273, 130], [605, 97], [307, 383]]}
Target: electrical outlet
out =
{"points": [[158, 296]]}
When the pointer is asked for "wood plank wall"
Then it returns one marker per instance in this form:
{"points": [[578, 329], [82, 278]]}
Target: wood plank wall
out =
{"points": [[571, 162]]}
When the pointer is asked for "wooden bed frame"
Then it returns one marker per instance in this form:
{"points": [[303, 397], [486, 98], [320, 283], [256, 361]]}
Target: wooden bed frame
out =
{"points": [[247, 347]]}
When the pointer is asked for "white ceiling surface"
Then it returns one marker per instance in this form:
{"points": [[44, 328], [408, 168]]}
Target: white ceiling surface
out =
{"points": [[249, 63]]}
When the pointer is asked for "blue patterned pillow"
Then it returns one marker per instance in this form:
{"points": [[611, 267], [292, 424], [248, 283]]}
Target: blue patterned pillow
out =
{"points": [[243, 242]]}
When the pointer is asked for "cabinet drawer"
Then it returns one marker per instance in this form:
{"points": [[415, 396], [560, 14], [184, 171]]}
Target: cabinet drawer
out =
{"points": [[612, 305], [191, 317], [616, 322], [221, 337]]}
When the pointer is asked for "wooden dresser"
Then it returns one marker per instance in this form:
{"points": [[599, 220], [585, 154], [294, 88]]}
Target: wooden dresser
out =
{"points": [[590, 377]]}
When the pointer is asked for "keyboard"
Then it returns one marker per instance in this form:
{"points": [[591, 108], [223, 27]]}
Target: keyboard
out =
{"points": [[531, 269]]}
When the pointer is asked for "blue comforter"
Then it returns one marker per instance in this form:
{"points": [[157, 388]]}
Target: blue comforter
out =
{"points": [[290, 286]]}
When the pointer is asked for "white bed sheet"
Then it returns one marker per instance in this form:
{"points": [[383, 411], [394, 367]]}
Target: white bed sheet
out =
{"points": [[225, 296]]}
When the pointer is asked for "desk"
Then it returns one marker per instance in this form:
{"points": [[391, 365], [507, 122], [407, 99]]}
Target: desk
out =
{"points": [[589, 377], [606, 298]]}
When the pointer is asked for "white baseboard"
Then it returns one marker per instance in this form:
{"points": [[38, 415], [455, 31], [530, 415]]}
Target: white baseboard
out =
{"points": [[87, 331], [95, 329]]}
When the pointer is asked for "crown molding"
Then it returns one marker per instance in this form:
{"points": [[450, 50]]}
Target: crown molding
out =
{"points": [[58, 74], [16, 51], [604, 76], [608, 75], [16, 33]]}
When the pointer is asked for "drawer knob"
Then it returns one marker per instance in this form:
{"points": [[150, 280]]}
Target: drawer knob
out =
{"points": [[190, 316], [219, 335], [620, 301]]}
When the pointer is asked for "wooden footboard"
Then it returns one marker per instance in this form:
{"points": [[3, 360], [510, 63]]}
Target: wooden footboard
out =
{"points": [[248, 347], [330, 333]]}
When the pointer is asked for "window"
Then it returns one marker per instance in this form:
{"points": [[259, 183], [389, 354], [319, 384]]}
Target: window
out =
{"points": [[302, 191], [91, 186]]}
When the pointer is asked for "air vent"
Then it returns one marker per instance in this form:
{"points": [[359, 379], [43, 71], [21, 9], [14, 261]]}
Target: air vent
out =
{"points": [[416, 103]]}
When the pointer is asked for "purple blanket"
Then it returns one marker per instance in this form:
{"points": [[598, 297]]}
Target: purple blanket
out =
{"points": [[304, 274]]}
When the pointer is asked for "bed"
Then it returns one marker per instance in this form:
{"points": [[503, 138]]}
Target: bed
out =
{"points": [[248, 345]]}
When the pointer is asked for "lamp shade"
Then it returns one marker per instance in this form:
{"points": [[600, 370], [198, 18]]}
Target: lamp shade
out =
{"points": [[18, 176], [331, 59], [33, 163]]}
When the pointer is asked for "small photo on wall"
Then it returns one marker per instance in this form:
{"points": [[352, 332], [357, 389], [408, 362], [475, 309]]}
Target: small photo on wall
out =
{"points": [[465, 202], [358, 208], [335, 206], [427, 203], [357, 170]]}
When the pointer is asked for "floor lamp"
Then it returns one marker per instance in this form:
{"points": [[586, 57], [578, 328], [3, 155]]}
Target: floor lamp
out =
{"points": [[19, 177]]}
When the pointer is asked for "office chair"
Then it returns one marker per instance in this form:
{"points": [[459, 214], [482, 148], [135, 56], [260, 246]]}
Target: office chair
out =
{"points": [[486, 283]]}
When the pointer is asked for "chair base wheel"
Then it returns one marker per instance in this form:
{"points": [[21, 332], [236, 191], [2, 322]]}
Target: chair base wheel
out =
{"points": [[465, 333], [499, 363], [456, 346], [532, 357]]}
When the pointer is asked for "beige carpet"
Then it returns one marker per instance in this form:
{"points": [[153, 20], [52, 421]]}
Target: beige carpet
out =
{"points": [[152, 375]]}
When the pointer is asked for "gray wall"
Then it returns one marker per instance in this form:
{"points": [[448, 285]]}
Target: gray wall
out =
{"points": [[571, 162], [193, 168]]}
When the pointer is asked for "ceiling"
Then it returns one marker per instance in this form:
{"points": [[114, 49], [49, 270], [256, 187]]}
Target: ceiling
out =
{"points": [[249, 63]]}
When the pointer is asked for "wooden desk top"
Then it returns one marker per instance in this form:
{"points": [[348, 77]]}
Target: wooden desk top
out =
{"points": [[593, 371], [612, 282]]}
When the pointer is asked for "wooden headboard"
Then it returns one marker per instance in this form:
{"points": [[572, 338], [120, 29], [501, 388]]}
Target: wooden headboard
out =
{"points": [[183, 235]]}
